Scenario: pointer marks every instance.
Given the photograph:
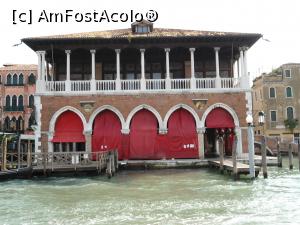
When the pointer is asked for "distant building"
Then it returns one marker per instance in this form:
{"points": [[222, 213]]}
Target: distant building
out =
{"points": [[277, 94], [17, 97]]}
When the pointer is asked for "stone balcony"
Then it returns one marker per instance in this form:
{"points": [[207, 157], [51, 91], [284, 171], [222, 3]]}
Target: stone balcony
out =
{"points": [[82, 87]]}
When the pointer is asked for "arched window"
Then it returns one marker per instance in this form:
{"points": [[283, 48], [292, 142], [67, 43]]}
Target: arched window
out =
{"points": [[20, 124], [289, 92], [20, 103], [8, 79], [31, 79], [15, 79], [31, 101], [31, 120], [14, 103], [272, 92], [7, 124], [13, 124], [21, 79], [7, 102], [290, 113]]}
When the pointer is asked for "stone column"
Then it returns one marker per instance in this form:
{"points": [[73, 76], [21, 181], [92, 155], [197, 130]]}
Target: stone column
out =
{"points": [[39, 70], [43, 53], [88, 141], [50, 143], [168, 79], [201, 133], [93, 79], [143, 80], [218, 79], [193, 80], [68, 70], [118, 77], [239, 147], [246, 76]]}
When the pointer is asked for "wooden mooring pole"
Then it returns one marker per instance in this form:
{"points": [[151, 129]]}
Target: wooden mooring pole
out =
{"points": [[221, 150], [234, 163], [108, 166], [299, 153], [264, 156], [290, 156], [279, 157]]}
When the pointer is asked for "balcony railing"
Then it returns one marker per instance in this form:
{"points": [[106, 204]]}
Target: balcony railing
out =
{"points": [[148, 85], [14, 108]]}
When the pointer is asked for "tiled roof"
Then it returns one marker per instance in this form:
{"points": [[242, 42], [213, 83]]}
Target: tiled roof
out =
{"points": [[18, 67], [156, 33]]}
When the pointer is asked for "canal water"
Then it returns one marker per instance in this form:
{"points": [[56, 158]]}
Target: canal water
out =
{"points": [[154, 197]]}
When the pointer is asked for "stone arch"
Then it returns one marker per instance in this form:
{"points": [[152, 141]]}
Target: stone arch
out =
{"points": [[224, 106], [140, 107], [186, 107], [60, 111], [102, 108]]}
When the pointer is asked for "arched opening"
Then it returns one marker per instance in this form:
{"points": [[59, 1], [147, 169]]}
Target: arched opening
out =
{"points": [[68, 133], [143, 135], [182, 135], [31, 101], [15, 79], [14, 103], [218, 122], [8, 79], [21, 79], [31, 79], [13, 124], [20, 103], [7, 103], [20, 124], [107, 133], [7, 124]]}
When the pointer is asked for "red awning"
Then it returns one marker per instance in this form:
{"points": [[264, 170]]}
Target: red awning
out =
{"points": [[68, 128], [219, 118]]}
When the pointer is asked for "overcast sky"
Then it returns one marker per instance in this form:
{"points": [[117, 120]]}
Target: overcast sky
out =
{"points": [[277, 20]]}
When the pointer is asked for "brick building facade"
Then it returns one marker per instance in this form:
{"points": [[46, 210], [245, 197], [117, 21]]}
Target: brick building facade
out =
{"points": [[152, 93], [17, 97], [278, 94]]}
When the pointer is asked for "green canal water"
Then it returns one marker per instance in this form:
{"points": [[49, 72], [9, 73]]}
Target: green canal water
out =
{"points": [[154, 197]]}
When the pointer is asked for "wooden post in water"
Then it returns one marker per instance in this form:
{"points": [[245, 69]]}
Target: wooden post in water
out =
{"points": [[19, 152], [221, 150], [290, 156], [108, 165], [264, 156], [113, 168], [279, 157], [234, 163], [4, 154], [116, 159], [28, 154], [299, 153]]}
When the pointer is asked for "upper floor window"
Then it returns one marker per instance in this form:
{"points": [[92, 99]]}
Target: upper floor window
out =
{"points": [[8, 79], [31, 101], [289, 92], [31, 79], [15, 79], [143, 26], [287, 73], [272, 92], [290, 113], [273, 115], [21, 79]]}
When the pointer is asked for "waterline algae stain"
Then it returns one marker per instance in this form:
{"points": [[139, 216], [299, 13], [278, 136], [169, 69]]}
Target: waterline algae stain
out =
{"points": [[154, 197]]}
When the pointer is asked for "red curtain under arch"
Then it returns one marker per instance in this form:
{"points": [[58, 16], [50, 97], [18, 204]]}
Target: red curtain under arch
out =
{"points": [[107, 133], [143, 135], [68, 128], [182, 137], [219, 118]]}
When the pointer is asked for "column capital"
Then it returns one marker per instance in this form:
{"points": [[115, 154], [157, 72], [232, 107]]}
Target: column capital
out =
{"points": [[217, 49], [68, 51], [201, 130], [118, 51], [167, 49], [93, 51], [192, 49], [142, 50], [40, 52]]}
